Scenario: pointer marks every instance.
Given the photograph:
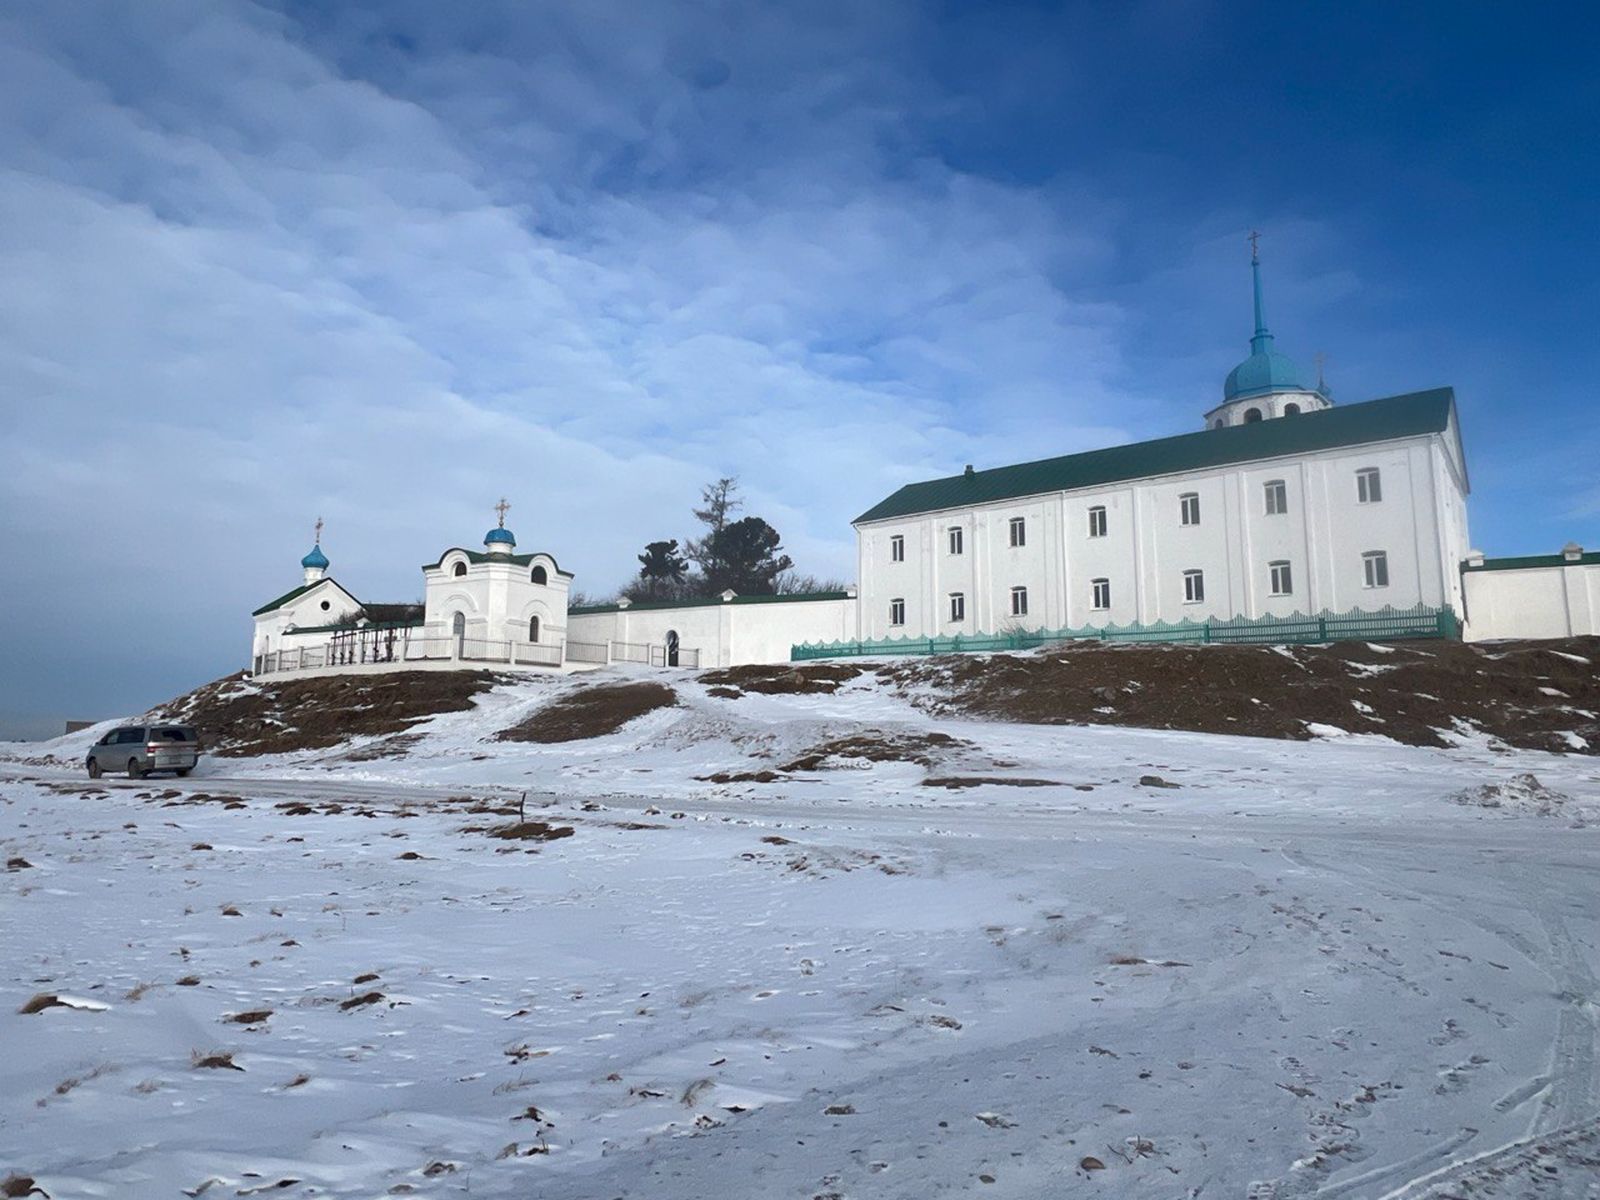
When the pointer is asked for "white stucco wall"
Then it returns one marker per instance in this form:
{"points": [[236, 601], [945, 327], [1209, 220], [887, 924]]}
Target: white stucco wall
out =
{"points": [[496, 598], [727, 633], [325, 603], [1420, 523], [1536, 602]]}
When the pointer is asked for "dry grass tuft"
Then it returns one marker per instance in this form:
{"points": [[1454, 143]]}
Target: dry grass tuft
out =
{"points": [[254, 1016], [217, 1060], [590, 712], [531, 831], [41, 1002], [361, 1001]]}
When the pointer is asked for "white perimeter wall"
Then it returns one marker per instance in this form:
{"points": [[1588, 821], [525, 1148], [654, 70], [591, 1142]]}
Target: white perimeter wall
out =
{"points": [[1538, 602], [1420, 523], [726, 634]]}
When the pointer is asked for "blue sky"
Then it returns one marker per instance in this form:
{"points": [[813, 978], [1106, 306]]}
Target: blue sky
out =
{"points": [[386, 262]]}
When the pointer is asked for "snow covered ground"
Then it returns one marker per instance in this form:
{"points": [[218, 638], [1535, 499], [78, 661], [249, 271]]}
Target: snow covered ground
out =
{"points": [[1340, 968]]}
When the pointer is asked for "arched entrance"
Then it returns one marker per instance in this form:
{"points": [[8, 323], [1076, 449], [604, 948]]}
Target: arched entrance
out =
{"points": [[458, 631], [672, 647]]}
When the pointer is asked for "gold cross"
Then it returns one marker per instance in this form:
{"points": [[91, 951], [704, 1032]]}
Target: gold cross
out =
{"points": [[502, 508], [1254, 238]]}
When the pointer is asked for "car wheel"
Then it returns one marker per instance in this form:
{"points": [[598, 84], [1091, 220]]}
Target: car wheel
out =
{"points": [[94, 768], [134, 772]]}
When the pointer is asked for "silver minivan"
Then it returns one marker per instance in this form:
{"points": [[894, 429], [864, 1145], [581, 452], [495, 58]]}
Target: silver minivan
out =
{"points": [[140, 749]]}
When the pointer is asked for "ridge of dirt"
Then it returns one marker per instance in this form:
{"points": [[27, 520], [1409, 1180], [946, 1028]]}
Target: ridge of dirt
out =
{"points": [[1531, 695], [590, 712], [780, 679], [238, 717]]}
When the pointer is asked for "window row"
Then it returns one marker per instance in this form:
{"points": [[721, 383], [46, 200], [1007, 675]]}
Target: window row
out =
{"points": [[1275, 494], [1280, 582]]}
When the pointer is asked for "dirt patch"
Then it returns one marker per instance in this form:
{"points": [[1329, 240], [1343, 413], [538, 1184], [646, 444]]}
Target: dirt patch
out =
{"points": [[742, 777], [878, 745], [1532, 695], [590, 712], [955, 782], [529, 831], [237, 717], [780, 679]]}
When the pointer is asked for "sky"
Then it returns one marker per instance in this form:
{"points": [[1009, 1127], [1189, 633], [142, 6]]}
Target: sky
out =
{"points": [[384, 263]]}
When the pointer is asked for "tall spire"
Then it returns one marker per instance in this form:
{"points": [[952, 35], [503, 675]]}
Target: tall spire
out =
{"points": [[1261, 339]]}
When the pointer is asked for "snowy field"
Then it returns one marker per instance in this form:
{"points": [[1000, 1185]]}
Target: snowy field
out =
{"points": [[1271, 969]]}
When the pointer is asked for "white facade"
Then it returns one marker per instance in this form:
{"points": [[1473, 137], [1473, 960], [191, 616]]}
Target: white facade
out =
{"points": [[1322, 534], [1551, 596], [720, 633], [477, 599]]}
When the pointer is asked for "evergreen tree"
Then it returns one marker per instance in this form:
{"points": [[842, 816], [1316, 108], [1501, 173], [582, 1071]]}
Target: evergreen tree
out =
{"points": [[719, 500], [745, 557], [662, 571]]}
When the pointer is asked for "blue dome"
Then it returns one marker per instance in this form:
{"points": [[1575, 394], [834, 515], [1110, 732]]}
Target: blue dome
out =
{"points": [[1264, 372], [316, 560], [499, 535]]}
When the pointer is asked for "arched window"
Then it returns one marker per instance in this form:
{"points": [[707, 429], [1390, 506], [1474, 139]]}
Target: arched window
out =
{"points": [[458, 630], [541, 576], [533, 629], [459, 570], [1291, 409], [1252, 415], [672, 647], [1218, 423]]}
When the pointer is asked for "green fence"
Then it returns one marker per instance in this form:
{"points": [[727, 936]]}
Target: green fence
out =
{"points": [[1384, 624]]}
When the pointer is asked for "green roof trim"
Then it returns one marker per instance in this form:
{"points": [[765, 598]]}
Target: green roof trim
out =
{"points": [[295, 593], [285, 598], [1533, 562], [704, 602], [1409, 415], [516, 560]]}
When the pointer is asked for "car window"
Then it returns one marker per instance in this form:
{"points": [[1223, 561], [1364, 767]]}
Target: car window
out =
{"points": [[124, 736], [172, 733]]}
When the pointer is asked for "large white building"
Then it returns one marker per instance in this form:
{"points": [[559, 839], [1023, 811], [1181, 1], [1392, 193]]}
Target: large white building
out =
{"points": [[1282, 506]]}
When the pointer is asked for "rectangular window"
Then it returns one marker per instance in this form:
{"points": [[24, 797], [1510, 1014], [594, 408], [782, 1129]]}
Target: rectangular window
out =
{"points": [[958, 606], [897, 611], [1019, 602], [1019, 531], [955, 539], [1194, 587], [1369, 487], [1102, 594], [1282, 580], [1097, 521], [1189, 508], [1277, 498], [897, 548], [1375, 565]]}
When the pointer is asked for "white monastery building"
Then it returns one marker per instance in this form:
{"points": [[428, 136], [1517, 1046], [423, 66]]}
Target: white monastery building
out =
{"points": [[1283, 509]]}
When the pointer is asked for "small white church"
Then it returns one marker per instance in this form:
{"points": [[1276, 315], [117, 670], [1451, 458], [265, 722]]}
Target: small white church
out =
{"points": [[1283, 509]]}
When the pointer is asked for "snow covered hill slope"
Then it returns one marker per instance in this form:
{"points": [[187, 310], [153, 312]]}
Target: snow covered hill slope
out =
{"points": [[838, 933]]}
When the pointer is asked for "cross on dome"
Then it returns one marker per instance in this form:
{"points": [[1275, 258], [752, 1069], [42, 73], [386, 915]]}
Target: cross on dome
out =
{"points": [[502, 508]]}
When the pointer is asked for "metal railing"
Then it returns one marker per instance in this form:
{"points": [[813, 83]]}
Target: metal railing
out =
{"points": [[541, 654], [588, 652], [363, 647], [1385, 624]]}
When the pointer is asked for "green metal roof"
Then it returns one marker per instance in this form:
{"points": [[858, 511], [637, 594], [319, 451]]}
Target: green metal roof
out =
{"points": [[1531, 561], [479, 556], [1410, 415], [299, 591], [703, 602]]}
